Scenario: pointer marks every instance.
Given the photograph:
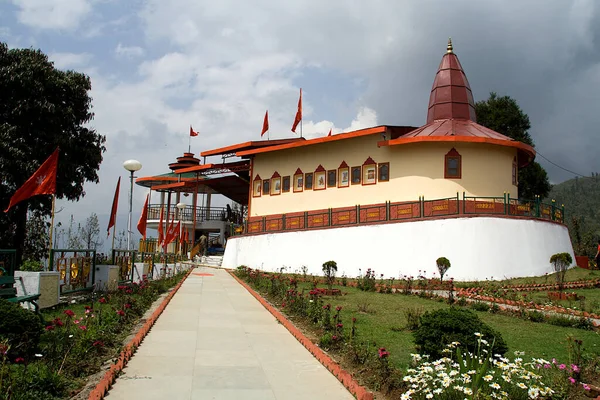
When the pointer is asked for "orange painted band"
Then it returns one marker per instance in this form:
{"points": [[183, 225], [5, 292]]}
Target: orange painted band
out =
{"points": [[360, 392], [110, 376]]}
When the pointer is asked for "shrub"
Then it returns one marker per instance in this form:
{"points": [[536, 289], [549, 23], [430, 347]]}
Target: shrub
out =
{"points": [[32, 266], [561, 262], [443, 265], [329, 270], [559, 320], [480, 306], [413, 317], [367, 282], [442, 327], [536, 316], [21, 328]]}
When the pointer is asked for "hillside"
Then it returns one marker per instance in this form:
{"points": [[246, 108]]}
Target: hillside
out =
{"points": [[581, 197]]}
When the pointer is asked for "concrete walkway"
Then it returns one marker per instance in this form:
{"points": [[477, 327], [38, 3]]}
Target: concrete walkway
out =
{"points": [[215, 341]]}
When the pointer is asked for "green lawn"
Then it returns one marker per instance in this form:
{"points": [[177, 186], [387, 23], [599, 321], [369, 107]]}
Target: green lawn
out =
{"points": [[573, 274], [590, 303], [384, 322]]}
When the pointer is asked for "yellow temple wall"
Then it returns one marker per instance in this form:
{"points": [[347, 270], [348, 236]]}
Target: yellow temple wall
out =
{"points": [[415, 170]]}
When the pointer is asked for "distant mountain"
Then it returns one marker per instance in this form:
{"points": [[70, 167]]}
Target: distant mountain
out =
{"points": [[581, 197]]}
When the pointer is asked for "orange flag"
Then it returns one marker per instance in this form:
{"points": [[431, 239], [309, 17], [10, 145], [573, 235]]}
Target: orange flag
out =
{"points": [[192, 132], [330, 131], [265, 124], [141, 225], [113, 211], [298, 113], [172, 233], [43, 181], [160, 226]]}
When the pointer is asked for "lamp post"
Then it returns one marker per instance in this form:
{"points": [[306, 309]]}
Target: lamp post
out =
{"points": [[180, 207], [131, 166]]}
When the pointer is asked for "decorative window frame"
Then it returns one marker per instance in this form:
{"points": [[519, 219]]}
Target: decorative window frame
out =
{"points": [[343, 172], [275, 185], [257, 186], [369, 172], [266, 188], [286, 180], [383, 164], [352, 170], [452, 155], [298, 181], [515, 172], [320, 178], [332, 173]]}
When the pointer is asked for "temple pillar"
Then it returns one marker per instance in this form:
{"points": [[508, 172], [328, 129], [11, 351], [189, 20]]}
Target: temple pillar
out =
{"points": [[208, 206]]}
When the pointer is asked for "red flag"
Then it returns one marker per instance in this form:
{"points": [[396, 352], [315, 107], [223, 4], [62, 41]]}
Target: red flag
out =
{"points": [[192, 132], [113, 212], [160, 226], [298, 113], [330, 131], [172, 233], [265, 124], [43, 181], [141, 225]]}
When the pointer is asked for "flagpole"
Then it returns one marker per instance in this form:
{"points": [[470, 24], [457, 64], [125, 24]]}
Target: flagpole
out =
{"points": [[301, 127], [190, 144], [51, 228], [114, 232]]}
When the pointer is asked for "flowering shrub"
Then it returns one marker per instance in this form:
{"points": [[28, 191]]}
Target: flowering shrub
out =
{"points": [[465, 375]]}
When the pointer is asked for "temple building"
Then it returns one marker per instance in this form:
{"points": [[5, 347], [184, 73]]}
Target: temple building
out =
{"points": [[390, 198]]}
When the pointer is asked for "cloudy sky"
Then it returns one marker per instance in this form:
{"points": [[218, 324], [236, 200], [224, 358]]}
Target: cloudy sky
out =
{"points": [[158, 66]]}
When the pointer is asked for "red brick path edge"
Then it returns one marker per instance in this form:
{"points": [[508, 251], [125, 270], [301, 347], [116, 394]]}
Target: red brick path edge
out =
{"points": [[342, 375], [110, 376]]}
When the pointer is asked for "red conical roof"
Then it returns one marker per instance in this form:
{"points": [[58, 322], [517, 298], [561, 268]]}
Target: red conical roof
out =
{"points": [[451, 95]]}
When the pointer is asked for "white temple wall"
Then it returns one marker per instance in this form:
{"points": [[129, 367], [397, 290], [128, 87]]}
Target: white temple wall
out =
{"points": [[477, 247]]}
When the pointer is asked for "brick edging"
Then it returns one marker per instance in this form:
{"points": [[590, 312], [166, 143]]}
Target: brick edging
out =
{"points": [[342, 375], [110, 376]]}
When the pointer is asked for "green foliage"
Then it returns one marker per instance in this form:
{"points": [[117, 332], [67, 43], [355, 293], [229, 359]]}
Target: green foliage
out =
{"points": [[367, 282], [36, 237], [33, 382], [443, 265], [581, 197], [21, 328], [413, 317], [329, 270], [561, 262], [480, 306], [42, 108], [503, 115], [32, 266], [441, 327]]}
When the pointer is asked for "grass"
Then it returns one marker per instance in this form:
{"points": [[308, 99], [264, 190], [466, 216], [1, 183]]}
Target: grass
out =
{"points": [[573, 274], [384, 323]]}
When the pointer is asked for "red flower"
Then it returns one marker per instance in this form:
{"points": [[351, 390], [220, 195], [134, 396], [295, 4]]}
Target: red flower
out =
{"points": [[19, 360], [58, 322], [69, 313], [3, 349], [83, 327], [383, 353], [338, 308], [121, 313], [340, 325], [102, 300], [127, 305], [98, 343], [334, 337], [353, 319], [50, 327], [87, 307], [283, 304]]}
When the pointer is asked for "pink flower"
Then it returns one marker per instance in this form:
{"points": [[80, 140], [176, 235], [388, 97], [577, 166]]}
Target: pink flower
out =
{"points": [[77, 321], [562, 366], [383, 353], [83, 327], [338, 308], [575, 368], [571, 380], [586, 387], [50, 327], [98, 343]]}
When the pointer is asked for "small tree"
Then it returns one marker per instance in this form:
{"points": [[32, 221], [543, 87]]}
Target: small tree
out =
{"points": [[561, 262], [443, 265], [329, 270], [90, 232]]}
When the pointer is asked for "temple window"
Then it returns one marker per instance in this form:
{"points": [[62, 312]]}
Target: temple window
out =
{"points": [[356, 171], [320, 178], [276, 184], [369, 171], [332, 178], [384, 172], [298, 180], [343, 175], [266, 186], [256, 186], [286, 184], [308, 181], [515, 172], [453, 165]]}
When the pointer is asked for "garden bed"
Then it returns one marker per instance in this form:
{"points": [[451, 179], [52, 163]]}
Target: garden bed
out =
{"points": [[355, 327], [78, 340]]}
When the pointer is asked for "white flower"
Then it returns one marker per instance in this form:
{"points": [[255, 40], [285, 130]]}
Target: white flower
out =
{"points": [[39, 355], [495, 386], [521, 385], [488, 378], [70, 336], [478, 334]]}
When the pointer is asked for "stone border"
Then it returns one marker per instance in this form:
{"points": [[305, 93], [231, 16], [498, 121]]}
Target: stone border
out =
{"points": [[360, 392], [110, 376]]}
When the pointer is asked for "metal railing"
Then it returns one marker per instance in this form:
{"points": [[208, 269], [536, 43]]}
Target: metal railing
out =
{"points": [[187, 214], [402, 211]]}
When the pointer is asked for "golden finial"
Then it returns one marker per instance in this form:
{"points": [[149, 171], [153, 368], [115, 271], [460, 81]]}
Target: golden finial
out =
{"points": [[449, 48]]}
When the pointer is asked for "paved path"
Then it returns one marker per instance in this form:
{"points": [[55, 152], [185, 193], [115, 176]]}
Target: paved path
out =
{"points": [[215, 341]]}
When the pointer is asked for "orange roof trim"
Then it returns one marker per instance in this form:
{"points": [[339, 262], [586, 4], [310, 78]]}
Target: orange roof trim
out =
{"points": [[248, 146], [324, 139]]}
